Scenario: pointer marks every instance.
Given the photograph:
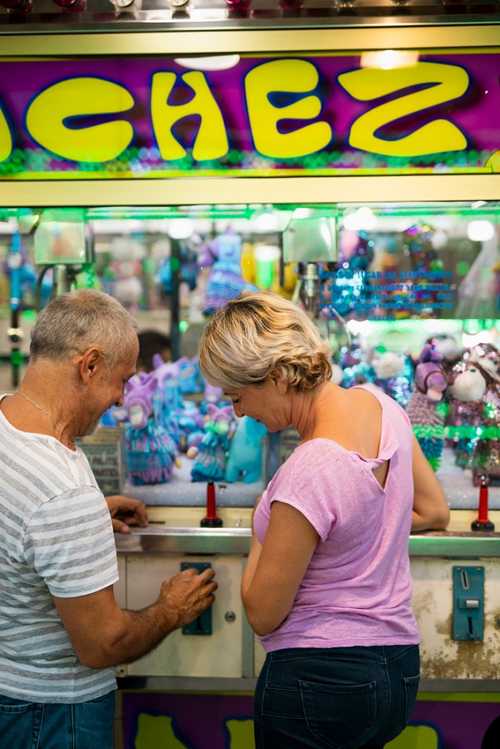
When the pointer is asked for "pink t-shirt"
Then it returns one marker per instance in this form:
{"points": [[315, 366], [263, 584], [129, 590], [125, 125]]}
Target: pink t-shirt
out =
{"points": [[357, 587]]}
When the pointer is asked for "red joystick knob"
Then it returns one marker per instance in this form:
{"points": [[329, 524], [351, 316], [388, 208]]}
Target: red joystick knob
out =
{"points": [[211, 520], [483, 523]]}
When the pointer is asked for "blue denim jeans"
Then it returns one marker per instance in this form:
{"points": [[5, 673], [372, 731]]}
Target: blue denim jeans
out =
{"points": [[335, 698], [36, 725]]}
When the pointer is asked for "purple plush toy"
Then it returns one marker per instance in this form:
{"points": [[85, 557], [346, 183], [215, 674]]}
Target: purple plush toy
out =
{"points": [[426, 418], [225, 280], [150, 448]]}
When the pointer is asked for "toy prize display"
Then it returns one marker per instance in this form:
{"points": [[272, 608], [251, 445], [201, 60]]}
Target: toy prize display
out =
{"points": [[172, 412]]}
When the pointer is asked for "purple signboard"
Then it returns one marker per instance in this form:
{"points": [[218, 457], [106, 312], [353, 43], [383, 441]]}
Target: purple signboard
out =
{"points": [[153, 720], [342, 114]]}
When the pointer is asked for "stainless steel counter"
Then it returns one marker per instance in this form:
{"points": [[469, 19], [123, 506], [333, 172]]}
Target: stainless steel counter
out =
{"points": [[233, 540]]}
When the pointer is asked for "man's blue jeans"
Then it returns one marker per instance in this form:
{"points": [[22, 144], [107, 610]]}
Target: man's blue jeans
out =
{"points": [[36, 725]]}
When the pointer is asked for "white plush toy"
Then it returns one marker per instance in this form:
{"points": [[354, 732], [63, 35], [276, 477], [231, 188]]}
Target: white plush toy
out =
{"points": [[469, 386], [388, 364]]}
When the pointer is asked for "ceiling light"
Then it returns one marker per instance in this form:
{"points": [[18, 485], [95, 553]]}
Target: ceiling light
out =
{"points": [[388, 59], [480, 231], [214, 62], [361, 219], [180, 228]]}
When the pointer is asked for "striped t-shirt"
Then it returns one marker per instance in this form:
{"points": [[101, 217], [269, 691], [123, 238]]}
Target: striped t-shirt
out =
{"points": [[56, 538]]}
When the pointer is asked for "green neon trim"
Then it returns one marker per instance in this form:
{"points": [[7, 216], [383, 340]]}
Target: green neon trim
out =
{"points": [[458, 697], [172, 174]]}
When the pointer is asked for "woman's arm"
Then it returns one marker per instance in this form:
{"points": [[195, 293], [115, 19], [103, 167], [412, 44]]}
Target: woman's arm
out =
{"points": [[275, 569], [430, 509]]}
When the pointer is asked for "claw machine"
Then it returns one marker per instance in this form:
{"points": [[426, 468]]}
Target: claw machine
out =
{"points": [[349, 161]]}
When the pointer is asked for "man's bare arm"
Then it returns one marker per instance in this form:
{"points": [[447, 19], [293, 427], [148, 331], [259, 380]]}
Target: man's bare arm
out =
{"points": [[103, 634]]}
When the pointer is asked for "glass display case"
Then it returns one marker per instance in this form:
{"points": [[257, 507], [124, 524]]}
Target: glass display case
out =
{"points": [[398, 288]]}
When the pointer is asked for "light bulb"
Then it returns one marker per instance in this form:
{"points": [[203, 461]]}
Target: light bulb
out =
{"points": [[214, 62], [266, 223], [389, 59], [361, 219], [480, 231], [180, 228]]}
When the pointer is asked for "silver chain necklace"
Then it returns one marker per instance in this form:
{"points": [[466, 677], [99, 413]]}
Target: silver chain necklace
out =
{"points": [[37, 405]]}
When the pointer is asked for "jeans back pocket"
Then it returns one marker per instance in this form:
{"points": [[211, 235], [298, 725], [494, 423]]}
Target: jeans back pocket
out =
{"points": [[340, 716], [410, 689]]}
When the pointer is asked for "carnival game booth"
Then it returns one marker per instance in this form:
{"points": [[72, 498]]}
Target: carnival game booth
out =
{"points": [[353, 167]]}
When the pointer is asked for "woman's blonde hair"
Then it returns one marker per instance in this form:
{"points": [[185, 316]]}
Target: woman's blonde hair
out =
{"points": [[260, 335]]}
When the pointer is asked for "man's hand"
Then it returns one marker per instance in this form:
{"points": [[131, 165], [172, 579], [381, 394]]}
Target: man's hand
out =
{"points": [[187, 595], [126, 511]]}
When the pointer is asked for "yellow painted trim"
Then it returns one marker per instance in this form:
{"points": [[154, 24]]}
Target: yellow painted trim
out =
{"points": [[250, 190], [305, 53], [248, 41]]}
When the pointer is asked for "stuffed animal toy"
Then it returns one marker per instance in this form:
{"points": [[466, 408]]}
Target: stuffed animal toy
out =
{"points": [[188, 270], [486, 459], [151, 450], [126, 268], [466, 396], [426, 417], [446, 345], [181, 418], [210, 462], [356, 369], [190, 377], [245, 454], [393, 374], [168, 403], [225, 281], [190, 423]]}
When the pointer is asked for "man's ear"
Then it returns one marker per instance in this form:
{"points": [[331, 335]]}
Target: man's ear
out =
{"points": [[89, 364]]}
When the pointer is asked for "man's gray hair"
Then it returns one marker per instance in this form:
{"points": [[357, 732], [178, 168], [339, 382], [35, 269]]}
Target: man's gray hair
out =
{"points": [[73, 322]]}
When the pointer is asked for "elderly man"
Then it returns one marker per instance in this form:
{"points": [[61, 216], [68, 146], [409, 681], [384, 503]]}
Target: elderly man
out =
{"points": [[61, 630]]}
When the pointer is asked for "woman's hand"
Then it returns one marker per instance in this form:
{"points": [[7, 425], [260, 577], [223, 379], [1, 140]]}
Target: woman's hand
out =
{"points": [[126, 511], [430, 509]]}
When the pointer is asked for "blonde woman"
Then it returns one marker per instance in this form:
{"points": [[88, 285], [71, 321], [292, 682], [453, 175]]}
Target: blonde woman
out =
{"points": [[327, 584]]}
